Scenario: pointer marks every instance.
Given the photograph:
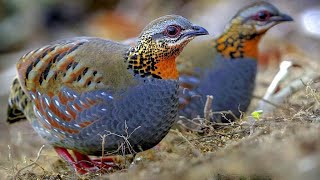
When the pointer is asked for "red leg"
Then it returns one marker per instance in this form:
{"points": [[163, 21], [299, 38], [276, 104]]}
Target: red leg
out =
{"points": [[67, 157], [104, 164], [84, 161], [94, 164], [105, 161]]}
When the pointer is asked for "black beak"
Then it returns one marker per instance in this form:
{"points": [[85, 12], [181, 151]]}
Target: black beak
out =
{"points": [[282, 18], [196, 31]]}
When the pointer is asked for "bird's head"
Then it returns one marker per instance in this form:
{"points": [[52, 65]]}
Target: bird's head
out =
{"points": [[261, 16], [242, 35], [160, 42]]}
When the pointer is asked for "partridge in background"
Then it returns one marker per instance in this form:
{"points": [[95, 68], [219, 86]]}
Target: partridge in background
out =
{"points": [[226, 68], [75, 91]]}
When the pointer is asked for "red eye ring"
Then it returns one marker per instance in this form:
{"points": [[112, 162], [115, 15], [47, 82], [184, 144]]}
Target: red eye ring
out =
{"points": [[262, 16], [172, 31]]}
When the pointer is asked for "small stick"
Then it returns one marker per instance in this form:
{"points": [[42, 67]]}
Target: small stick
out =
{"points": [[31, 164], [282, 73], [102, 149], [10, 159], [208, 108]]}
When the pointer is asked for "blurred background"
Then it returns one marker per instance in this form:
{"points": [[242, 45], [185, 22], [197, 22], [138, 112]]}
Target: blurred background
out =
{"points": [[27, 24]]}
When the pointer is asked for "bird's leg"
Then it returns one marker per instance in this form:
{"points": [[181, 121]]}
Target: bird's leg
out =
{"points": [[114, 161], [67, 157], [105, 162], [85, 161], [109, 161], [94, 164]]}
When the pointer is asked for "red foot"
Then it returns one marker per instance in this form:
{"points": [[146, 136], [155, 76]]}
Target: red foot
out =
{"points": [[67, 157], [100, 163], [83, 163], [105, 161]]}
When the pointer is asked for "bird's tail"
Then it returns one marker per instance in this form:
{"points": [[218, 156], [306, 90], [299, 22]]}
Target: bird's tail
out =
{"points": [[17, 103]]}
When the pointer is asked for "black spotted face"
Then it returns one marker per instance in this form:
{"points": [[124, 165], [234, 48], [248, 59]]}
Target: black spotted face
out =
{"points": [[262, 16], [171, 30], [159, 44]]}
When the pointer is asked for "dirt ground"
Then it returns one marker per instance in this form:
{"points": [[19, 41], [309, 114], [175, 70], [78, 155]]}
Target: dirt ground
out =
{"points": [[281, 145]]}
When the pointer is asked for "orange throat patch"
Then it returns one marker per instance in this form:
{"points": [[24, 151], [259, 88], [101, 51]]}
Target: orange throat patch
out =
{"points": [[159, 65], [237, 44], [251, 47], [167, 69]]}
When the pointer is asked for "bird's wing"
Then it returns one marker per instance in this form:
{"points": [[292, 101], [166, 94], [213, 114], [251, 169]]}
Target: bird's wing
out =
{"points": [[71, 82]]}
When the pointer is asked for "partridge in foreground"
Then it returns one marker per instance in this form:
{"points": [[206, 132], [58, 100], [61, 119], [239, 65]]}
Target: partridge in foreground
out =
{"points": [[77, 90], [228, 70]]}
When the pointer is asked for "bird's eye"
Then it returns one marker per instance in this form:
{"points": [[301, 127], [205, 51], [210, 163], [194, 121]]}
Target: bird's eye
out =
{"points": [[262, 16], [173, 30]]}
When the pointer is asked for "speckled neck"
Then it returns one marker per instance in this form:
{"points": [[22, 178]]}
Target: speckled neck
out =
{"points": [[151, 59], [239, 41]]}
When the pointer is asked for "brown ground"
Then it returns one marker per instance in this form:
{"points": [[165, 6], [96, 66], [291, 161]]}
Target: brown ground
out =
{"points": [[283, 145]]}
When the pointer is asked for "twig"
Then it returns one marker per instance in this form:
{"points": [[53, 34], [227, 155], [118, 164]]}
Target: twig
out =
{"points": [[10, 159], [272, 97], [265, 100], [232, 124], [187, 141], [294, 86], [125, 138], [312, 92], [282, 73], [208, 108], [31, 164], [191, 124], [223, 113], [102, 148], [218, 134]]}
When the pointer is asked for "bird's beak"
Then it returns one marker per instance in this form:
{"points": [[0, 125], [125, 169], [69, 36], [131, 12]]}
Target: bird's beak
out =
{"points": [[281, 18], [195, 31]]}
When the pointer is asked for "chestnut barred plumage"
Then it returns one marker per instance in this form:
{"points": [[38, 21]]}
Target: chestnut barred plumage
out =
{"points": [[80, 89]]}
